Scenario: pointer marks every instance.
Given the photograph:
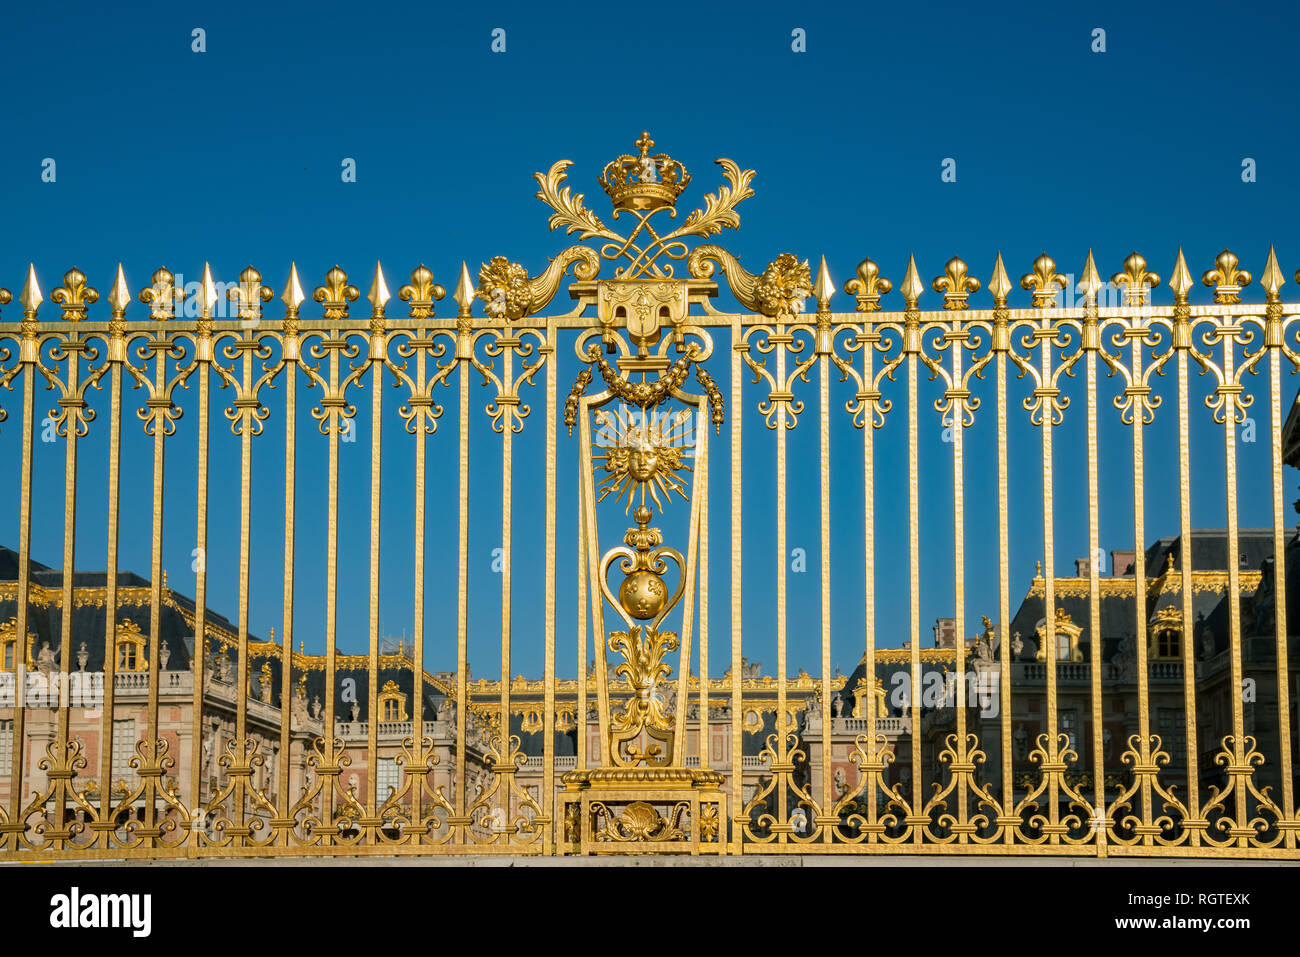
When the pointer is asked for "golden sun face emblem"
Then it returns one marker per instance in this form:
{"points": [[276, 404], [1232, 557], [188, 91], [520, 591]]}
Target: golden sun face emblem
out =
{"points": [[643, 454]]}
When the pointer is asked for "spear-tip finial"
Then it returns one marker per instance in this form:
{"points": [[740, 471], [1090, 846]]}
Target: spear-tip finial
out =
{"points": [[119, 297], [1272, 279], [823, 288], [31, 296], [1090, 279], [464, 294], [1181, 280], [379, 294], [1000, 283], [912, 286], [207, 293], [293, 296]]}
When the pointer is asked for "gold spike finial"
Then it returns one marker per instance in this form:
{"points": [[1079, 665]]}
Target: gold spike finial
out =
{"points": [[1272, 279], [31, 297], [1090, 279], [823, 288], [207, 293], [379, 294], [119, 297], [464, 294], [1181, 281], [1000, 283], [293, 296], [912, 286]]}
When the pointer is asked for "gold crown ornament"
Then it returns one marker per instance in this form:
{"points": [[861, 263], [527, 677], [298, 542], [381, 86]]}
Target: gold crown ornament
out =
{"points": [[642, 181]]}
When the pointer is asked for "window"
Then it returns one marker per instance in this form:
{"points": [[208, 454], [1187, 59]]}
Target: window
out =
{"points": [[1167, 644], [10, 652], [1064, 649], [1066, 721], [392, 709], [1171, 725], [6, 748], [388, 777], [123, 747], [126, 657]]}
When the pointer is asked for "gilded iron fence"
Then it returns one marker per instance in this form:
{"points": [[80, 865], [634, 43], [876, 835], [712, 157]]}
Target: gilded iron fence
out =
{"points": [[639, 784]]}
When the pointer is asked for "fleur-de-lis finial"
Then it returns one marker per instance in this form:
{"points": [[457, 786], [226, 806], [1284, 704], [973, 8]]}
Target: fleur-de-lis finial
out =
{"points": [[1226, 278], [1272, 279], [644, 144], [868, 285], [74, 295], [336, 294], [250, 294], [912, 287], [162, 295], [293, 296], [1180, 283], [421, 292], [464, 294], [1043, 282], [119, 297], [1090, 280], [955, 284], [823, 288], [30, 296], [1000, 283], [1136, 279]]}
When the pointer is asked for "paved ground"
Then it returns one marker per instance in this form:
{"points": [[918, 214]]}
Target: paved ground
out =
{"points": [[667, 860]]}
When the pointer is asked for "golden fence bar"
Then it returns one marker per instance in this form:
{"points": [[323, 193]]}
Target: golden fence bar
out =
{"points": [[1089, 343], [639, 781], [1275, 341], [1180, 342], [739, 349]]}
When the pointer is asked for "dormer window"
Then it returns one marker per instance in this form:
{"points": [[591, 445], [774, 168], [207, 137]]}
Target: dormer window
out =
{"points": [[11, 653], [1067, 638], [392, 703], [1166, 634], [130, 644]]}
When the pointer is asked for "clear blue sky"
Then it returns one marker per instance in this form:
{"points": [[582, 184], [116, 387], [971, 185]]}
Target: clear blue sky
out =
{"points": [[233, 156]]}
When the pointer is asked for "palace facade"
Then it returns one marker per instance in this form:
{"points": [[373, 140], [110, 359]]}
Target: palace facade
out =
{"points": [[888, 696]]}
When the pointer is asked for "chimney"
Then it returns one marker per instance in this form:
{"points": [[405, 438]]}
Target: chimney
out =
{"points": [[1081, 567], [945, 633], [1121, 562]]}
